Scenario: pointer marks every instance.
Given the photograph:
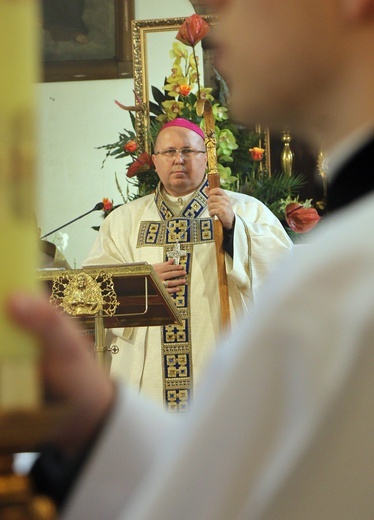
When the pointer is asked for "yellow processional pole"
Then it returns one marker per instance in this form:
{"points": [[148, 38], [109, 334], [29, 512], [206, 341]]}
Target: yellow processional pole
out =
{"points": [[19, 384], [24, 419], [204, 108]]}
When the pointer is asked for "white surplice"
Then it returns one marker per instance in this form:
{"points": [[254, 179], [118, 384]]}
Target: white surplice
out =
{"points": [[282, 428], [132, 233]]}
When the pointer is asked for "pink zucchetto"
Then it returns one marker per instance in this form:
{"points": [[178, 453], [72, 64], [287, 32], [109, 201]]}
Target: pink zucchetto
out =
{"points": [[181, 122]]}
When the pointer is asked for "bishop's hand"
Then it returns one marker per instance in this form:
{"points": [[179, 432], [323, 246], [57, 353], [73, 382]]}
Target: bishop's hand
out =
{"points": [[219, 205], [171, 274]]}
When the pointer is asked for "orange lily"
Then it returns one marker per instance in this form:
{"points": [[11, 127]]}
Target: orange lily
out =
{"points": [[257, 153], [130, 146], [108, 204]]}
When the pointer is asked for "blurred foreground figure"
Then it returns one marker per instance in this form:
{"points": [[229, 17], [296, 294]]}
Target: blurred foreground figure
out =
{"points": [[282, 427]]}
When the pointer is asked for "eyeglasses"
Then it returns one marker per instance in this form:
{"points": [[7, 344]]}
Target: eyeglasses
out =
{"points": [[187, 153]]}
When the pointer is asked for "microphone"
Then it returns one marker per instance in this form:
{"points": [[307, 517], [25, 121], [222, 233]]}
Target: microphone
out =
{"points": [[98, 207]]}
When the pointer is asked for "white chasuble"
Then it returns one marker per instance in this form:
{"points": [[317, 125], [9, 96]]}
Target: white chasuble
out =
{"points": [[166, 362]]}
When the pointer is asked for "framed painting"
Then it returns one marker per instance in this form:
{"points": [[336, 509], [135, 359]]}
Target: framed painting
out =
{"points": [[86, 39]]}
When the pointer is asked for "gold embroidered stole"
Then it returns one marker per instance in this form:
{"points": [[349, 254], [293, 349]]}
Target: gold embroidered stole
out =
{"points": [[186, 229]]}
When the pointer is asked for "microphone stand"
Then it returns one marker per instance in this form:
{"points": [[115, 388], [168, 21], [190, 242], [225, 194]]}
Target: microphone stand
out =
{"points": [[98, 207]]}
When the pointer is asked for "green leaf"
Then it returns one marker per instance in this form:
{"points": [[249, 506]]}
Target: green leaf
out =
{"points": [[132, 117], [158, 96], [155, 109]]}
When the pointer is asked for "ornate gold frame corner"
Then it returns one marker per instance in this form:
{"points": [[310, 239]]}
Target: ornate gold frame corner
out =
{"points": [[140, 29]]}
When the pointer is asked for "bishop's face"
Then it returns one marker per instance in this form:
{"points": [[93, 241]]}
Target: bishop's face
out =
{"points": [[180, 175]]}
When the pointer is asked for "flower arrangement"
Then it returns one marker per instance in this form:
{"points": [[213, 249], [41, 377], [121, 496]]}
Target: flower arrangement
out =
{"points": [[241, 161]]}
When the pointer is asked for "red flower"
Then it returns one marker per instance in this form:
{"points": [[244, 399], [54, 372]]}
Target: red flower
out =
{"points": [[108, 204], [141, 164], [130, 146], [257, 153], [300, 219], [192, 30]]}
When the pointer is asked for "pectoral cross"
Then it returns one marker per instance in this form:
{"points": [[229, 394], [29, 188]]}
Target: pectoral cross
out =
{"points": [[177, 253]]}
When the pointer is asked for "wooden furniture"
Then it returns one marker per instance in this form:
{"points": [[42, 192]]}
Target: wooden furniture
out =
{"points": [[100, 297]]}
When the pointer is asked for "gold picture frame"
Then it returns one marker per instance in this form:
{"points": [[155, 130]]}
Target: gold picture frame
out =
{"points": [[141, 29], [119, 66]]}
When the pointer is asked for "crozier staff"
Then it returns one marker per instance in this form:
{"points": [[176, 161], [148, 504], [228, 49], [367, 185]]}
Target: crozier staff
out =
{"points": [[204, 107]]}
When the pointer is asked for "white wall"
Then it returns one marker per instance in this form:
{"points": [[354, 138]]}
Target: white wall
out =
{"points": [[75, 118]]}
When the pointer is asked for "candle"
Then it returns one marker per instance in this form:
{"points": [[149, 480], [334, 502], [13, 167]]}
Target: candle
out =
{"points": [[19, 57]]}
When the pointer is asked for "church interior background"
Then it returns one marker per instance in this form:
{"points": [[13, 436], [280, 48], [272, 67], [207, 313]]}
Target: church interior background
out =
{"points": [[77, 117]]}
